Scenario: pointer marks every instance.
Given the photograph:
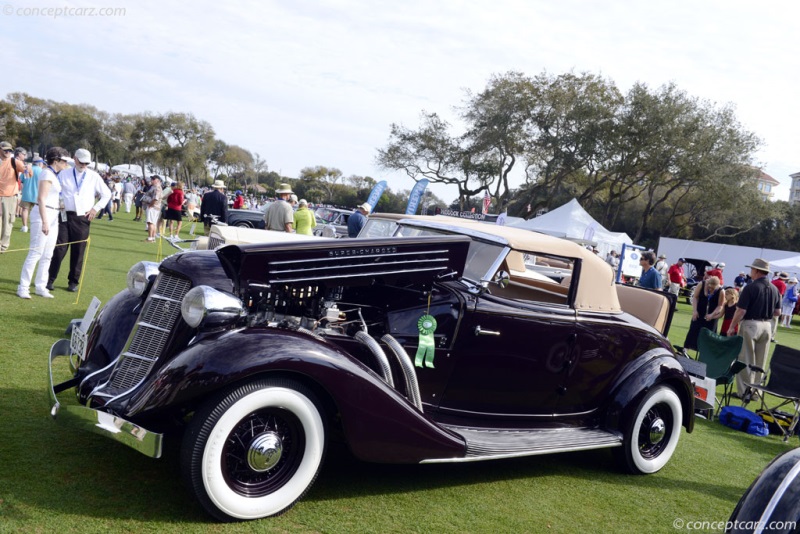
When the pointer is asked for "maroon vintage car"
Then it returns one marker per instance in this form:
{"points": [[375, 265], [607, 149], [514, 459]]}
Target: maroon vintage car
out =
{"points": [[451, 342]]}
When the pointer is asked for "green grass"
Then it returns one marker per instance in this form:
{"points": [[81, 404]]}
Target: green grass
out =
{"points": [[54, 478]]}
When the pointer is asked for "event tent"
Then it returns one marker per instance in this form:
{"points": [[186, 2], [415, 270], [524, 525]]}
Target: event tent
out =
{"points": [[571, 221]]}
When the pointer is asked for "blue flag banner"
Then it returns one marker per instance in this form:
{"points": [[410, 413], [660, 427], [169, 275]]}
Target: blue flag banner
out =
{"points": [[416, 196], [375, 194]]}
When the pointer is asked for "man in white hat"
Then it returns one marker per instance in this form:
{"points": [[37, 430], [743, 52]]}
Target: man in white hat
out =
{"points": [[758, 304], [662, 267], [214, 203], [279, 216], [358, 219], [80, 189]]}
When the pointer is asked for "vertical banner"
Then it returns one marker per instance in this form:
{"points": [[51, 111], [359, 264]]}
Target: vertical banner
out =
{"points": [[415, 196], [375, 194]]}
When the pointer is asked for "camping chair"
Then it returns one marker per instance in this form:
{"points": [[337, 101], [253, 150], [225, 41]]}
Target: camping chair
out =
{"points": [[783, 381], [720, 354]]}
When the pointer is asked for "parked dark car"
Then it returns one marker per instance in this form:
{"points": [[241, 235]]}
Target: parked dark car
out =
{"points": [[438, 345], [246, 218], [772, 502]]}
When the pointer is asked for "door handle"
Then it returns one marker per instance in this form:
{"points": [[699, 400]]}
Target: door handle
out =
{"points": [[480, 332]]}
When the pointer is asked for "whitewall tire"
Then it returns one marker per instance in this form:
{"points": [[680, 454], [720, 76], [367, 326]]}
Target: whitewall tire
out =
{"points": [[256, 451], [652, 434]]}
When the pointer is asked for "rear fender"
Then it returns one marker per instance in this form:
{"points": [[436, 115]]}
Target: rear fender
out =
{"points": [[658, 366], [379, 424]]}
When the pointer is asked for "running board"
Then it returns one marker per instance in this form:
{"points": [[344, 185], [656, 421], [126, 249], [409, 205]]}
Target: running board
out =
{"points": [[490, 444]]}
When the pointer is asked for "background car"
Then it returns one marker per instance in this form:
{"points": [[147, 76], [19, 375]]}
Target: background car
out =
{"points": [[246, 218], [331, 222]]}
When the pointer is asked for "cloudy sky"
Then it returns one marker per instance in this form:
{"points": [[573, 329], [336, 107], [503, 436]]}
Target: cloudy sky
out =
{"points": [[319, 83]]}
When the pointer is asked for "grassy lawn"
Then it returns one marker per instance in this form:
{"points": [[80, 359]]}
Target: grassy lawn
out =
{"points": [[54, 478]]}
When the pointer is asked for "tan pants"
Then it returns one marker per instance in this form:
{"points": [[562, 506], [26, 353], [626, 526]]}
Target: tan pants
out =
{"points": [[755, 349]]}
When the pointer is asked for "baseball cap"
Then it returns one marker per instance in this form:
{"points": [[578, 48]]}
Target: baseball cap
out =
{"points": [[83, 155]]}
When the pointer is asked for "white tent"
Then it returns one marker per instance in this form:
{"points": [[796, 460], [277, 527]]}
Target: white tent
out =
{"points": [[792, 264], [571, 221]]}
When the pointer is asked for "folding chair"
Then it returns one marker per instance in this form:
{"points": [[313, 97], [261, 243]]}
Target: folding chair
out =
{"points": [[720, 354], [783, 381]]}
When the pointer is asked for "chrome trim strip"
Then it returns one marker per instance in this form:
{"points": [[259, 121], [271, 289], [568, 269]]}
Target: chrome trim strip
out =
{"points": [[338, 258], [154, 327], [520, 454], [118, 429], [375, 273], [358, 265]]}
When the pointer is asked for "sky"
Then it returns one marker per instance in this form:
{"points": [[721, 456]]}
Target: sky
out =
{"points": [[306, 83]]}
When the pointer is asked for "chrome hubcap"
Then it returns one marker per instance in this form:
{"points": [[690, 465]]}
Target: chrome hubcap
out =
{"points": [[264, 452], [657, 431]]}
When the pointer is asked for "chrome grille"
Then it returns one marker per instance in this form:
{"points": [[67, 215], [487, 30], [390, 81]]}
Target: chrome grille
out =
{"points": [[214, 242], [158, 318]]}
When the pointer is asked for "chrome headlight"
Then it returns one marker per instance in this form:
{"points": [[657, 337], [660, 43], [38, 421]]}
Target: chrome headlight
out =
{"points": [[204, 303], [139, 276]]}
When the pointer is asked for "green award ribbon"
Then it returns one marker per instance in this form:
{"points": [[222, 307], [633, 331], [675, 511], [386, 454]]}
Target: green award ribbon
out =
{"points": [[425, 350]]}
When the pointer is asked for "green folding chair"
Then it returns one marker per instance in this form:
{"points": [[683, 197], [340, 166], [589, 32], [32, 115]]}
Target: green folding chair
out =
{"points": [[720, 354]]}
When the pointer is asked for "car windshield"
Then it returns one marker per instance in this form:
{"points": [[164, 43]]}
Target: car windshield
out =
{"points": [[378, 228], [482, 255], [327, 215]]}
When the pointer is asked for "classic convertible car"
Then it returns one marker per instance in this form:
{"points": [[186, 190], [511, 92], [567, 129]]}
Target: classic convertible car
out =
{"points": [[437, 345]]}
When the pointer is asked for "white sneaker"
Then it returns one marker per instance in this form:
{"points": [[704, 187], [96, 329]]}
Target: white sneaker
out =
{"points": [[23, 294], [44, 293], [24, 229]]}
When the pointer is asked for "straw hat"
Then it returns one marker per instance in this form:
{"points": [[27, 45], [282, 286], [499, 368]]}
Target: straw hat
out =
{"points": [[219, 184], [283, 189], [759, 265]]}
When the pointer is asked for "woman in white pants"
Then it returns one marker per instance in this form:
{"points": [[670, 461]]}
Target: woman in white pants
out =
{"points": [[43, 226]]}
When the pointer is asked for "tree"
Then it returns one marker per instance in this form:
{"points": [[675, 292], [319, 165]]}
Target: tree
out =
{"points": [[34, 114], [324, 178]]}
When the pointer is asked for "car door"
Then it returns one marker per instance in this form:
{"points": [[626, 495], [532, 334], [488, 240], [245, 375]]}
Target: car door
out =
{"points": [[510, 358]]}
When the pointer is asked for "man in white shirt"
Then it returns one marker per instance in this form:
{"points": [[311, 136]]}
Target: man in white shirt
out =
{"points": [[80, 187]]}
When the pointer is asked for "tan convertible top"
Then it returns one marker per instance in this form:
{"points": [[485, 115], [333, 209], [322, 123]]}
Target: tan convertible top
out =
{"points": [[596, 289]]}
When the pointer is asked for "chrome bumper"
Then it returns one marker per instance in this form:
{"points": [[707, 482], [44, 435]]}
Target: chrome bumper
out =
{"points": [[116, 428]]}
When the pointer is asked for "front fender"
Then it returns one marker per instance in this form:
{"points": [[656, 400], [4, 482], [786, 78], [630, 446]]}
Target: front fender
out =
{"points": [[657, 366], [379, 424]]}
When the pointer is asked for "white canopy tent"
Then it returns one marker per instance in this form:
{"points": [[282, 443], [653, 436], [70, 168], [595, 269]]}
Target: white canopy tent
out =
{"points": [[790, 264], [128, 168], [571, 221]]}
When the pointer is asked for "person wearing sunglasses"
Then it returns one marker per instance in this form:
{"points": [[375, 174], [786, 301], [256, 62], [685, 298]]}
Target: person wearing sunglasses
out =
{"points": [[80, 188], [10, 168]]}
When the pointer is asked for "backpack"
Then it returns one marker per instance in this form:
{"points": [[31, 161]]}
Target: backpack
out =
{"points": [[740, 418]]}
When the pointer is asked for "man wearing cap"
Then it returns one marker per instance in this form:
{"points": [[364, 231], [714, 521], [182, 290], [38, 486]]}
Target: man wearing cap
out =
{"points": [[304, 220], [676, 277], [758, 304], [358, 219], [279, 217], [214, 203], [740, 281], [80, 187], [30, 190], [10, 167]]}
